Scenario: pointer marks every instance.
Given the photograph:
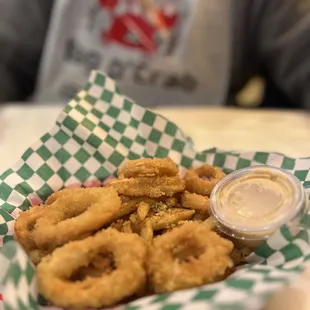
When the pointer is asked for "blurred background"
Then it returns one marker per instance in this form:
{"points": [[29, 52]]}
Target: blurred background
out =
{"points": [[187, 52], [232, 73]]}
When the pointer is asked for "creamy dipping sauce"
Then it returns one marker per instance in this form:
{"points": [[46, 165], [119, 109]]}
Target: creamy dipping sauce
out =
{"points": [[250, 204], [256, 200]]}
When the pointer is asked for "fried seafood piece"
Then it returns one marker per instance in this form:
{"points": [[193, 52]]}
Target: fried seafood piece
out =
{"points": [[36, 255], [53, 197], [210, 223], [169, 218], [187, 256], [127, 227], [131, 204], [171, 202], [24, 226], [150, 187], [143, 210], [162, 220], [118, 224], [147, 232], [203, 179], [71, 278], [148, 167], [74, 215], [102, 264], [196, 202]]}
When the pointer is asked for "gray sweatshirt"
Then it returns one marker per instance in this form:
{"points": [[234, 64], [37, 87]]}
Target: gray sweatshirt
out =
{"points": [[193, 52]]}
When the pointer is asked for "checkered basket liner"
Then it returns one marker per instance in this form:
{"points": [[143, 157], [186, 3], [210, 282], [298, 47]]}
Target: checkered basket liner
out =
{"points": [[93, 135]]}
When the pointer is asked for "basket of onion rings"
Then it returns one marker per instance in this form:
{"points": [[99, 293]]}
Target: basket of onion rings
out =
{"points": [[113, 208]]}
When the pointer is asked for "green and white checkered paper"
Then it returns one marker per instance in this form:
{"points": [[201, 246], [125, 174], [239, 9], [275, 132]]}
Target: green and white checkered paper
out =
{"points": [[94, 134]]}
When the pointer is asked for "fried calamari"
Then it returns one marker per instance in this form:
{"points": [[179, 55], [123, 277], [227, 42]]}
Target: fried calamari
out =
{"points": [[148, 167], [24, 227], [150, 187], [57, 282], [203, 179], [148, 229], [70, 214], [187, 256], [196, 202], [77, 213]]}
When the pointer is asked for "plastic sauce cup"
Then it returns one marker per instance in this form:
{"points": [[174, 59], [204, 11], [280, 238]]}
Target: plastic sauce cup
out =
{"points": [[250, 204]]}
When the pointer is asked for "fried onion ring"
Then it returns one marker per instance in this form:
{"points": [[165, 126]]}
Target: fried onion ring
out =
{"points": [[129, 254], [148, 167], [53, 197], [100, 265], [24, 226], [74, 215], [196, 202], [187, 256], [151, 187], [203, 179]]}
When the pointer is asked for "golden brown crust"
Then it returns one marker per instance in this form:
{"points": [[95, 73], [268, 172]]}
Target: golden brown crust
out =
{"points": [[148, 167], [169, 218], [24, 227], [203, 179], [147, 206], [196, 202], [76, 214], [187, 256], [55, 271], [150, 187]]}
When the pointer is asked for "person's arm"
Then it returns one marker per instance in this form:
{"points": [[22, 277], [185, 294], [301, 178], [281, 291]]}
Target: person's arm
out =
{"points": [[23, 26], [283, 45]]}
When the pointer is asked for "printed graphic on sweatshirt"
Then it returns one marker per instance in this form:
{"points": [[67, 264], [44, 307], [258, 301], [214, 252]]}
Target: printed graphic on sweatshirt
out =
{"points": [[134, 41], [141, 24]]}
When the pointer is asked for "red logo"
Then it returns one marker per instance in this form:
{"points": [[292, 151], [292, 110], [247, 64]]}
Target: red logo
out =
{"points": [[137, 25]]}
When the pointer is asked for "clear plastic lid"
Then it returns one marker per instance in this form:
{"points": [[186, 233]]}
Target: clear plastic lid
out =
{"points": [[252, 203]]}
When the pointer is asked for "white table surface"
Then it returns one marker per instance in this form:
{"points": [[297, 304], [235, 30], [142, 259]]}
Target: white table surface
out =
{"points": [[279, 131]]}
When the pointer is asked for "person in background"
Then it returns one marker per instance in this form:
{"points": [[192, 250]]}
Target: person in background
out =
{"points": [[191, 52]]}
